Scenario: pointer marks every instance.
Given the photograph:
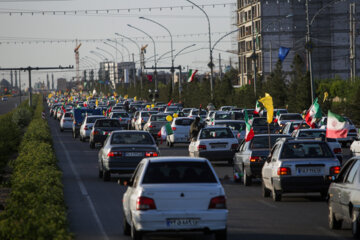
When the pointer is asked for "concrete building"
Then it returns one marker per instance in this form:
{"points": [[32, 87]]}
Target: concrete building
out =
{"points": [[61, 84], [271, 24], [108, 73]]}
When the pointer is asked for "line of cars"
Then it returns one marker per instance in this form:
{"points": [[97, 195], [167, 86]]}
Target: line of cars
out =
{"points": [[298, 160]]}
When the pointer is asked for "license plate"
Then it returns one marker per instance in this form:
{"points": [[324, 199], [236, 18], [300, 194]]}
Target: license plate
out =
{"points": [[173, 222], [310, 171], [133, 154], [218, 146]]}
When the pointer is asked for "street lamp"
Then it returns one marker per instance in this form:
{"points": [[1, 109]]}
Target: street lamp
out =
{"points": [[141, 62], [165, 54], [171, 46], [155, 73], [122, 55], [309, 45], [99, 55], [106, 52], [211, 65], [116, 42]]}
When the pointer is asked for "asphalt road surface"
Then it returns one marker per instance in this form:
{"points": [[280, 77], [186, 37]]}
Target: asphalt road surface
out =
{"points": [[7, 106], [95, 207]]}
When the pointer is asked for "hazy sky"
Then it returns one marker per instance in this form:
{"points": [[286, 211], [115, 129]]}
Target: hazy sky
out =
{"points": [[60, 27]]}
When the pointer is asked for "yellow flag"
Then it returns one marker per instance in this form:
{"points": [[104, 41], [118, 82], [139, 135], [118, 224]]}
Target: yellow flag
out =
{"points": [[115, 94], [126, 96], [97, 102], [50, 95], [135, 98], [71, 98], [268, 104], [326, 94]]}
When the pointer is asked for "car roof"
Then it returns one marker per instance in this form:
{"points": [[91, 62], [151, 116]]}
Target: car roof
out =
{"points": [[311, 130], [95, 116], [172, 159], [129, 131], [235, 121]]}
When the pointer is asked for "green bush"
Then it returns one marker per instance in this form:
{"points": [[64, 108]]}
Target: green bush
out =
{"points": [[22, 116], [35, 209]]}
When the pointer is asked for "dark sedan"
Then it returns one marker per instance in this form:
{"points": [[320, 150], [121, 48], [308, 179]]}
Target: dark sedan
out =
{"points": [[123, 150], [344, 197], [102, 128]]}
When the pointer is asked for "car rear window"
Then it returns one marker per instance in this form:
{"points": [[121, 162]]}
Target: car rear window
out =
{"points": [[107, 123], [131, 138], [312, 134], [222, 116], [259, 142], [184, 122], [297, 125], [259, 122], [238, 115], [120, 115], [196, 112], [239, 126], [306, 150], [211, 133], [178, 172], [93, 119], [291, 117], [68, 115], [160, 118]]}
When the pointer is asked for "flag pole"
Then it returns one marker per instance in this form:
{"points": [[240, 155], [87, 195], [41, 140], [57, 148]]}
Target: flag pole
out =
{"points": [[269, 137]]}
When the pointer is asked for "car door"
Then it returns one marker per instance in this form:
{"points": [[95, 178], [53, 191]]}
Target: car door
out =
{"points": [[335, 188], [267, 172], [346, 189]]}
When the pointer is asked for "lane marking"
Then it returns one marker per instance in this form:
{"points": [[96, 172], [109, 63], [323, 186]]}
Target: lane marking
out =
{"points": [[83, 190]]}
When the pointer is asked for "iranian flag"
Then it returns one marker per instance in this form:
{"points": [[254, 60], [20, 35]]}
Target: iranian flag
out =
{"points": [[62, 108], [277, 116], [336, 126], [257, 108], [191, 75], [313, 114], [249, 130]]}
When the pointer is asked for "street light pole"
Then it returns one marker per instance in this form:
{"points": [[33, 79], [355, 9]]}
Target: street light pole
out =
{"points": [[155, 73], [110, 40], [211, 65], [172, 49], [117, 50]]}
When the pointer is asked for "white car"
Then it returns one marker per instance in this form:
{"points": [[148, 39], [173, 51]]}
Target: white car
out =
{"points": [[142, 118], [174, 194], [236, 126], [66, 121], [289, 117], [180, 127], [87, 125], [215, 143]]}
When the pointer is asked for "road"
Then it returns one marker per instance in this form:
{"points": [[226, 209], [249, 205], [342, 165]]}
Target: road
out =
{"points": [[9, 105], [95, 207]]}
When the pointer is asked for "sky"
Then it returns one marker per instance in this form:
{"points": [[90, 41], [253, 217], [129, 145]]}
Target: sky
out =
{"points": [[38, 39]]}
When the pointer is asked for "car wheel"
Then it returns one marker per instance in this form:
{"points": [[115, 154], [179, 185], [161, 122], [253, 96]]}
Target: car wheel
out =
{"points": [[246, 179], [126, 226], [74, 135], [101, 173], [276, 195], [230, 161], [221, 234], [106, 175], [135, 235], [61, 129], [333, 222], [237, 177], [92, 145], [324, 195], [265, 192], [355, 222]]}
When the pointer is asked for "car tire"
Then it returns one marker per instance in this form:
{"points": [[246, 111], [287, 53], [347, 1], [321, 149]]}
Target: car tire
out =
{"points": [[324, 195], [333, 222], [276, 195], [74, 135], [135, 235], [265, 192], [101, 173], [355, 222], [106, 175], [61, 129], [92, 144], [221, 234], [126, 227], [246, 179]]}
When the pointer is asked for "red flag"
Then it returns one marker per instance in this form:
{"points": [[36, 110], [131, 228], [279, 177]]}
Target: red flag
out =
{"points": [[64, 110], [169, 103], [149, 77]]}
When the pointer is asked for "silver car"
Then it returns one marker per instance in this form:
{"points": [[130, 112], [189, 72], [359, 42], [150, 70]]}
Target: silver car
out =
{"points": [[123, 150], [87, 125]]}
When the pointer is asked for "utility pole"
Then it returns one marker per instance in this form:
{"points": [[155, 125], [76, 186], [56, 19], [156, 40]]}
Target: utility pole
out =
{"points": [[254, 46], [29, 69], [20, 85], [352, 42], [309, 49], [220, 70], [270, 57]]}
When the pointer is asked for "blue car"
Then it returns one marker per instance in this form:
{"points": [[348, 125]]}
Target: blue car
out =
{"points": [[79, 116]]}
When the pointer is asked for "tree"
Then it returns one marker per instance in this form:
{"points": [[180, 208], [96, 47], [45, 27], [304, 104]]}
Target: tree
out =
{"points": [[276, 86]]}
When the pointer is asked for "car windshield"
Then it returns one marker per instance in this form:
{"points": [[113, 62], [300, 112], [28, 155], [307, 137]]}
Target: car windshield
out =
{"points": [[239, 126], [312, 134], [291, 117], [158, 118], [184, 122], [68, 115], [238, 115], [306, 150], [92, 119], [259, 122], [222, 116], [131, 138], [211, 133], [107, 123], [178, 172], [259, 142], [120, 115]]}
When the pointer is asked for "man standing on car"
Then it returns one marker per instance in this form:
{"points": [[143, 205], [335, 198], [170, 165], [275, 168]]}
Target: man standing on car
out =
{"points": [[195, 129]]}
